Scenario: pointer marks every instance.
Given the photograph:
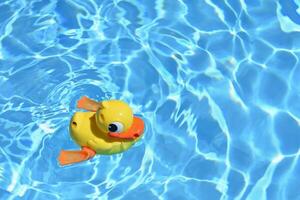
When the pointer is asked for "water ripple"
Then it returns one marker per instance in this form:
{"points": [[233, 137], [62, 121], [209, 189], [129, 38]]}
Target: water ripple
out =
{"points": [[217, 83]]}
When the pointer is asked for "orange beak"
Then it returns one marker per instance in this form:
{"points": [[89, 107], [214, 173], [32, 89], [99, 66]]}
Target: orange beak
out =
{"points": [[135, 131]]}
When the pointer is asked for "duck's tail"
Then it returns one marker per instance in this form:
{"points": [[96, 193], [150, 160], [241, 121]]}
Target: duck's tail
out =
{"points": [[71, 157]]}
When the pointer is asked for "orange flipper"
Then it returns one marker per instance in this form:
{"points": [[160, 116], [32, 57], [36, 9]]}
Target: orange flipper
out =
{"points": [[71, 157], [88, 104]]}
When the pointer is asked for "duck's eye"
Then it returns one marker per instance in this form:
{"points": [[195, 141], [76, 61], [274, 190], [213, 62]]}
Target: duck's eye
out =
{"points": [[115, 127]]}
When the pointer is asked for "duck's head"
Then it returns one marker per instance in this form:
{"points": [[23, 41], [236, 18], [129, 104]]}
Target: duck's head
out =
{"points": [[116, 118]]}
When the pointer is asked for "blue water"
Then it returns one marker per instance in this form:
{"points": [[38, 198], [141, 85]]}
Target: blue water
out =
{"points": [[216, 81]]}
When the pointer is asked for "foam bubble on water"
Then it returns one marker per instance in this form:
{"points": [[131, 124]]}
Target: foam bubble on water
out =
{"points": [[37, 56], [14, 181], [232, 62], [222, 186], [1, 172], [196, 36], [116, 62], [50, 71], [46, 127], [272, 111], [213, 73], [160, 9], [234, 96], [277, 159], [22, 190], [217, 10], [286, 24]]}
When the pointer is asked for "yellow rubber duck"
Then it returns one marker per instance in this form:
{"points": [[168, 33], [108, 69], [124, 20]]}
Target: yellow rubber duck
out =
{"points": [[108, 128]]}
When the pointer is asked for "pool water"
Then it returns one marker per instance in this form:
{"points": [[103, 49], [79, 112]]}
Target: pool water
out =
{"points": [[216, 81]]}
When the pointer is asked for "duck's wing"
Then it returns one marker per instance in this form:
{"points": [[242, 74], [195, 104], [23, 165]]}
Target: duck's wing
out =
{"points": [[88, 104]]}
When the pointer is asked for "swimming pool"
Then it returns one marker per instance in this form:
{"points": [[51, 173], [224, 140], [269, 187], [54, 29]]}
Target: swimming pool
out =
{"points": [[217, 83]]}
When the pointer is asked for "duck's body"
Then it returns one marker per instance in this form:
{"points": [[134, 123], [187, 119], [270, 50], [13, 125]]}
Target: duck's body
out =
{"points": [[84, 131], [109, 128]]}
